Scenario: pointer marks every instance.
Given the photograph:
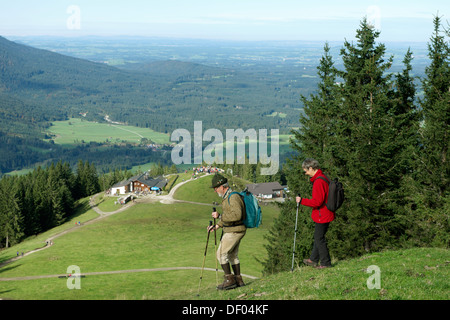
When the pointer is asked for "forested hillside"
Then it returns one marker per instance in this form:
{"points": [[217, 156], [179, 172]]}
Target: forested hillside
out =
{"points": [[39, 86], [46, 197], [166, 96]]}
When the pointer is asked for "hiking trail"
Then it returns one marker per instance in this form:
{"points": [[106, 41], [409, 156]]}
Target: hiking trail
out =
{"points": [[165, 199]]}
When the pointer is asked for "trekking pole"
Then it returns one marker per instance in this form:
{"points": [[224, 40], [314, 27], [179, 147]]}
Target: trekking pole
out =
{"points": [[204, 258], [295, 236], [215, 249]]}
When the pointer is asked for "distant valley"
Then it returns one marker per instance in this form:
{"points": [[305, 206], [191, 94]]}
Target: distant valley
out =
{"points": [[148, 84]]}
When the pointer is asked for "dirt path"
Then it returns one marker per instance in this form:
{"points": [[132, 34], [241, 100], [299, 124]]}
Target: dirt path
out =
{"points": [[169, 199], [49, 241], [116, 272], [139, 135], [166, 199]]}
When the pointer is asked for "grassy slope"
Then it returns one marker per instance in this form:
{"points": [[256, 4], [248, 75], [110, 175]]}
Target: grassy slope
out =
{"points": [[157, 235], [144, 236], [198, 191], [413, 274]]}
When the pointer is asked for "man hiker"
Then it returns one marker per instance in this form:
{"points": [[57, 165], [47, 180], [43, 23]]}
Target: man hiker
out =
{"points": [[320, 214], [231, 220]]}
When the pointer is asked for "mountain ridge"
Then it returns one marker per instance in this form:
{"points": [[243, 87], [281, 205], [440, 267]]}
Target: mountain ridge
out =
{"points": [[51, 81]]}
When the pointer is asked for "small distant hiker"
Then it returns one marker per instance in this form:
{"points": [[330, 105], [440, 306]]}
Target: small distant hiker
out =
{"points": [[320, 214], [231, 220]]}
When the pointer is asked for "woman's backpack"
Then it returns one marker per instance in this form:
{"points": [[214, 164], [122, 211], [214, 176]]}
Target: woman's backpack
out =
{"points": [[335, 193]]}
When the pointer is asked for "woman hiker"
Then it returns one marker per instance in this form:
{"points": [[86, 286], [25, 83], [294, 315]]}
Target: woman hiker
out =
{"points": [[320, 214]]}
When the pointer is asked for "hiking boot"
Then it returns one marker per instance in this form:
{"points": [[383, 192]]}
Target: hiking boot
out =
{"points": [[310, 263], [239, 281], [237, 274], [228, 283]]}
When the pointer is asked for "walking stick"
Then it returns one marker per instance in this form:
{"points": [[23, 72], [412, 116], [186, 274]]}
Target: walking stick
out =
{"points": [[295, 236], [204, 258], [215, 250]]}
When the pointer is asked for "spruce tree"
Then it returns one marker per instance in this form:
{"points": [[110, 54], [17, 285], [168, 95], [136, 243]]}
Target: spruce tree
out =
{"points": [[360, 130], [80, 181], [31, 223], [318, 123], [313, 139], [61, 200], [10, 213], [405, 112], [93, 185], [41, 200], [86, 182], [436, 106], [316, 137], [433, 170]]}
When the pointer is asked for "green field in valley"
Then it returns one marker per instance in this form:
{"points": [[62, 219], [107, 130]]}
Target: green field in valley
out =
{"points": [[76, 131]]}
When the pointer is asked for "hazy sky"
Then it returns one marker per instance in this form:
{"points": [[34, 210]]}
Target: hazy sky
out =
{"points": [[398, 20]]}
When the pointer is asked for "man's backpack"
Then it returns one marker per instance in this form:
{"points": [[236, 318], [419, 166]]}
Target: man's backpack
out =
{"points": [[335, 193], [253, 214]]}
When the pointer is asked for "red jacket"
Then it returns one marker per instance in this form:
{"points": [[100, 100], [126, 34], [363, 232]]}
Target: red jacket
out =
{"points": [[320, 212]]}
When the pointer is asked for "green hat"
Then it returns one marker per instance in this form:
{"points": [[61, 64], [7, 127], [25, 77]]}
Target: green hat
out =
{"points": [[218, 180]]}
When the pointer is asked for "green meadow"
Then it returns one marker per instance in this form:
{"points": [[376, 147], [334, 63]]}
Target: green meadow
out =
{"points": [[155, 235], [75, 131], [145, 236]]}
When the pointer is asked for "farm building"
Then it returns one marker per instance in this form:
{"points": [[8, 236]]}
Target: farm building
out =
{"points": [[122, 187], [266, 190], [139, 183], [144, 183]]}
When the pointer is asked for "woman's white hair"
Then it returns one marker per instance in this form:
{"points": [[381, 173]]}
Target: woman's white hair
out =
{"points": [[310, 162]]}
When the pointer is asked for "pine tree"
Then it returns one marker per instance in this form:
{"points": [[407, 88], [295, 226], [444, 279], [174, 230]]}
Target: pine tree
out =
{"points": [[41, 199], [315, 138], [61, 200], [375, 140], [361, 131], [10, 213], [436, 106], [31, 222], [93, 185], [80, 181], [173, 169], [318, 125], [405, 113], [86, 182], [433, 171]]}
